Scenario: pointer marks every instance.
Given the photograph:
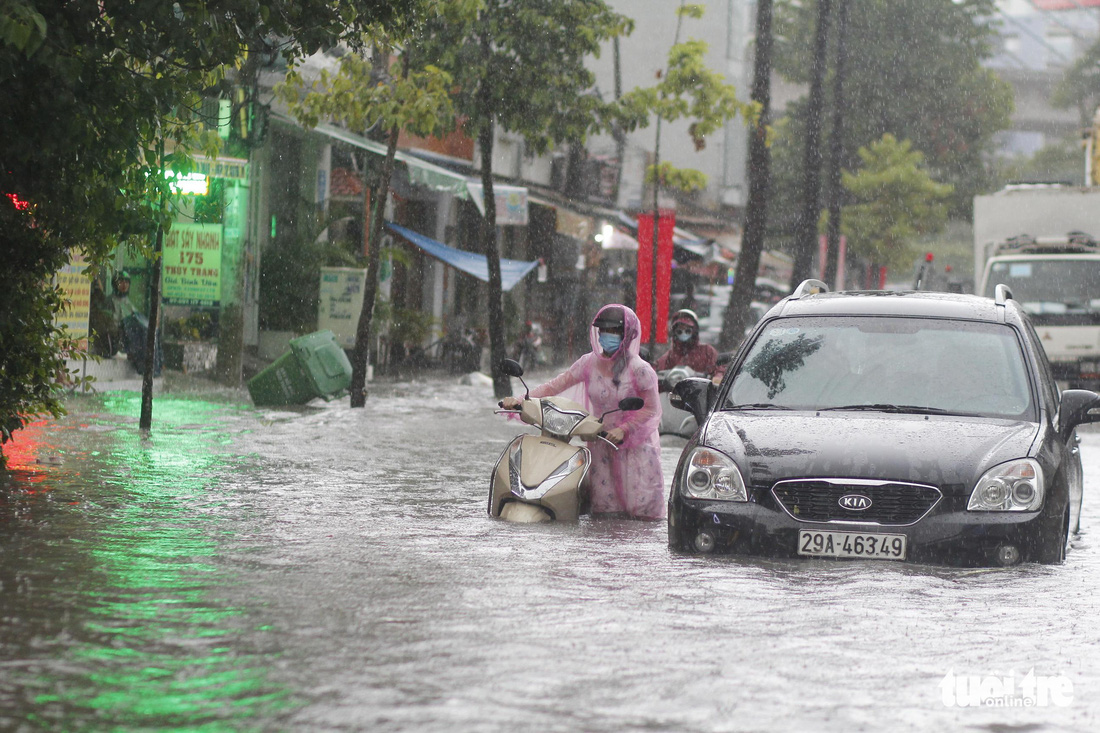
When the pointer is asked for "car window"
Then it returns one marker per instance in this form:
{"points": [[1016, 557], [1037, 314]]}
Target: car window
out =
{"points": [[966, 367], [1046, 374], [1048, 285]]}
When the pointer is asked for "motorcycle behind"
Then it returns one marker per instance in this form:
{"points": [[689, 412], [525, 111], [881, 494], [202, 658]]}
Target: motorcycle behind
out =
{"points": [[673, 421], [540, 478], [529, 347]]}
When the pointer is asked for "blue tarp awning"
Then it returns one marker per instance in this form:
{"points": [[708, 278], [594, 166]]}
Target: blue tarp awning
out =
{"points": [[511, 271]]}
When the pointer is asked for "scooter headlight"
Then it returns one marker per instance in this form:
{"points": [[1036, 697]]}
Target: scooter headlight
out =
{"points": [[1016, 486], [713, 475], [559, 422], [567, 467]]}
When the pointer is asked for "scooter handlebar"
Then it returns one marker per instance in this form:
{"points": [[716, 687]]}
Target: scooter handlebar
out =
{"points": [[602, 435]]}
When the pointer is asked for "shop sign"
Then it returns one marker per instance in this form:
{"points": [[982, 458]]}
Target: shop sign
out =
{"points": [[341, 302], [192, 272], [511, 203], [77, 291], [233, 169], [577, 226]]}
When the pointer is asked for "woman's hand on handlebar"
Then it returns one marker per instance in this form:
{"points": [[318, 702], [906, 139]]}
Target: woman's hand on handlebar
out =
{"points": [[615, 435], [511, 403]]}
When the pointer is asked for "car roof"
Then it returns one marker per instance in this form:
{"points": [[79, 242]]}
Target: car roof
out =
{"points": [[918, 304]]}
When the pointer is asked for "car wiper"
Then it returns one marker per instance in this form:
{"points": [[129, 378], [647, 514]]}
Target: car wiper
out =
{"points": [[757, 406], [883, 407]]}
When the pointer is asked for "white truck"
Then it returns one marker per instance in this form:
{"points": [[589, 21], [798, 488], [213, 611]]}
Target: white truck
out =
{"points": [[1042, 242]]}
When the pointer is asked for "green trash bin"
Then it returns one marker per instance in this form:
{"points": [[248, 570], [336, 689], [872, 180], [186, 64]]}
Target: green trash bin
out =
{"points": [[315, 366]]}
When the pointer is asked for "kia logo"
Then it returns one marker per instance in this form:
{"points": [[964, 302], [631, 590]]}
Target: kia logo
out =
{"points": [[855, 502]]}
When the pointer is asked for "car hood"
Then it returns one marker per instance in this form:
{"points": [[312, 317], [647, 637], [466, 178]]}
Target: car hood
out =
{"points": [[945, 451]]}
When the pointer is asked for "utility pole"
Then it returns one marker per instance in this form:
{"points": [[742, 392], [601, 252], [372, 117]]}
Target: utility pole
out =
{"points": [[836, 148], [756, 209], [806, 236]]}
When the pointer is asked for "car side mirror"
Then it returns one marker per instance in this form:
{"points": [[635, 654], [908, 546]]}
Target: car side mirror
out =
{"points": [[694, 395], [1079, 406]]}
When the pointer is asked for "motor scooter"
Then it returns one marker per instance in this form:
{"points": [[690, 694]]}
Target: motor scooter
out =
{"points": [[673, 421], [528, 350], [540, 478]]}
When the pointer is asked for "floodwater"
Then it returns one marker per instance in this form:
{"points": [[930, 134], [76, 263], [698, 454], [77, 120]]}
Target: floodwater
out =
{"points": [[330, 569]]}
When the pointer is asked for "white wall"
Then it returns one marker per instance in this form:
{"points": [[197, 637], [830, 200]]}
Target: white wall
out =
{"points": [[726, 27]]}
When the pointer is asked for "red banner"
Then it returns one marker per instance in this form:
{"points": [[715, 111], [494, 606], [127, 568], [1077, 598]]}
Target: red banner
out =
{"points": [[666, 221]]}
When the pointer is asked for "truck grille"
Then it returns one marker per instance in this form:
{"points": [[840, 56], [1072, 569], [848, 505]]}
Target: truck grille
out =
{"points": [[883, 502]]}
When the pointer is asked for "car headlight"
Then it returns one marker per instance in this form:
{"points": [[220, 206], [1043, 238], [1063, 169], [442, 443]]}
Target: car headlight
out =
{"points": [[713, 475], [558, 422], [1016, 486]]}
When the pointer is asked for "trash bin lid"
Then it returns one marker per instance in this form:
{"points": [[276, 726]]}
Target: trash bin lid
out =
{"points": [[324, 361]]}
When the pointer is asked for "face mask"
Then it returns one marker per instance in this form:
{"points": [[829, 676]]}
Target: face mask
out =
{"points": [[610, 342], [684, 336]]}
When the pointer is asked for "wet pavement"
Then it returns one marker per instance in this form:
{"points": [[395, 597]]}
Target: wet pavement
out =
{"points": [[328, 569]]}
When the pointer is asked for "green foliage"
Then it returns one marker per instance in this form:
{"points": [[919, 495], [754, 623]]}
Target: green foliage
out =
{"points": [[521, 64], [894, 199], [1057, 162], [33, 350], [680, 179], [22, 27], [417, 102], [1080, 87], [91, 90], [914, 70], [410, 325], [195, 327], [290, 272], [687, 89]]}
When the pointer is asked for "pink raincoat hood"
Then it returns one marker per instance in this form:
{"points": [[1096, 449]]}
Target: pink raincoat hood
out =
{"points": [[632, 341]]}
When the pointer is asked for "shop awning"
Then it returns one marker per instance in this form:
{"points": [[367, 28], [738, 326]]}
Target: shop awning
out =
{"points": [[421, 172], [511, 271]]}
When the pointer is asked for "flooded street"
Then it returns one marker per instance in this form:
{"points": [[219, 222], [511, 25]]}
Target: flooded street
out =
{"points": [[334, 569]]}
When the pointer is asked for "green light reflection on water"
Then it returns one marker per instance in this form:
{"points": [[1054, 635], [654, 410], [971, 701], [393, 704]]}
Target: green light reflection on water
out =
{"points": [[164, 652]]}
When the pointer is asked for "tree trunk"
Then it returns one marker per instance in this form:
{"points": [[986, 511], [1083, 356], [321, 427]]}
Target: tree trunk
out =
{"points": [[145, 416], [756, 212], [806, 236], [145, 419], [361, 353], [502, 385], [836, 149]]}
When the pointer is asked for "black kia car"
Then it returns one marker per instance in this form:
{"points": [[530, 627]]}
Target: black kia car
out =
{"points": [[915, 426]]}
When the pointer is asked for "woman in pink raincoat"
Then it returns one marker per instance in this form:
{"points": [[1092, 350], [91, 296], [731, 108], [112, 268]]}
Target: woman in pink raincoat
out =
{"points": [[628, 480]]}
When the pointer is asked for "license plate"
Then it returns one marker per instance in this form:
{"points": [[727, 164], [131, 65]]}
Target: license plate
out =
{"points": [[851, 544]]}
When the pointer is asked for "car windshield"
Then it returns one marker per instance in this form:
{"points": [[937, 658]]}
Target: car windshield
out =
{"points": [[1049, 285], [891, 364]]}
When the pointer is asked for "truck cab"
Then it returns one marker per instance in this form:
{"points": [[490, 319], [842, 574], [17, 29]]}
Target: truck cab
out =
{"points": [[1057, 281]]}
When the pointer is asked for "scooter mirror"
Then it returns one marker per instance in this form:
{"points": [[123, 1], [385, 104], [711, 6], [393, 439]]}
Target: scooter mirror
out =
{"points": [[629, 404], [511, 368]]}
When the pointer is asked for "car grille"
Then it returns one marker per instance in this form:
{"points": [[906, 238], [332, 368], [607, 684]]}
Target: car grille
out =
{"points": [[818, 500]]}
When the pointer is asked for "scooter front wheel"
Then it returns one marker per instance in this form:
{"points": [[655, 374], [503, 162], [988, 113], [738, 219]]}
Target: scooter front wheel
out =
{"points": [[516, 511]]}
